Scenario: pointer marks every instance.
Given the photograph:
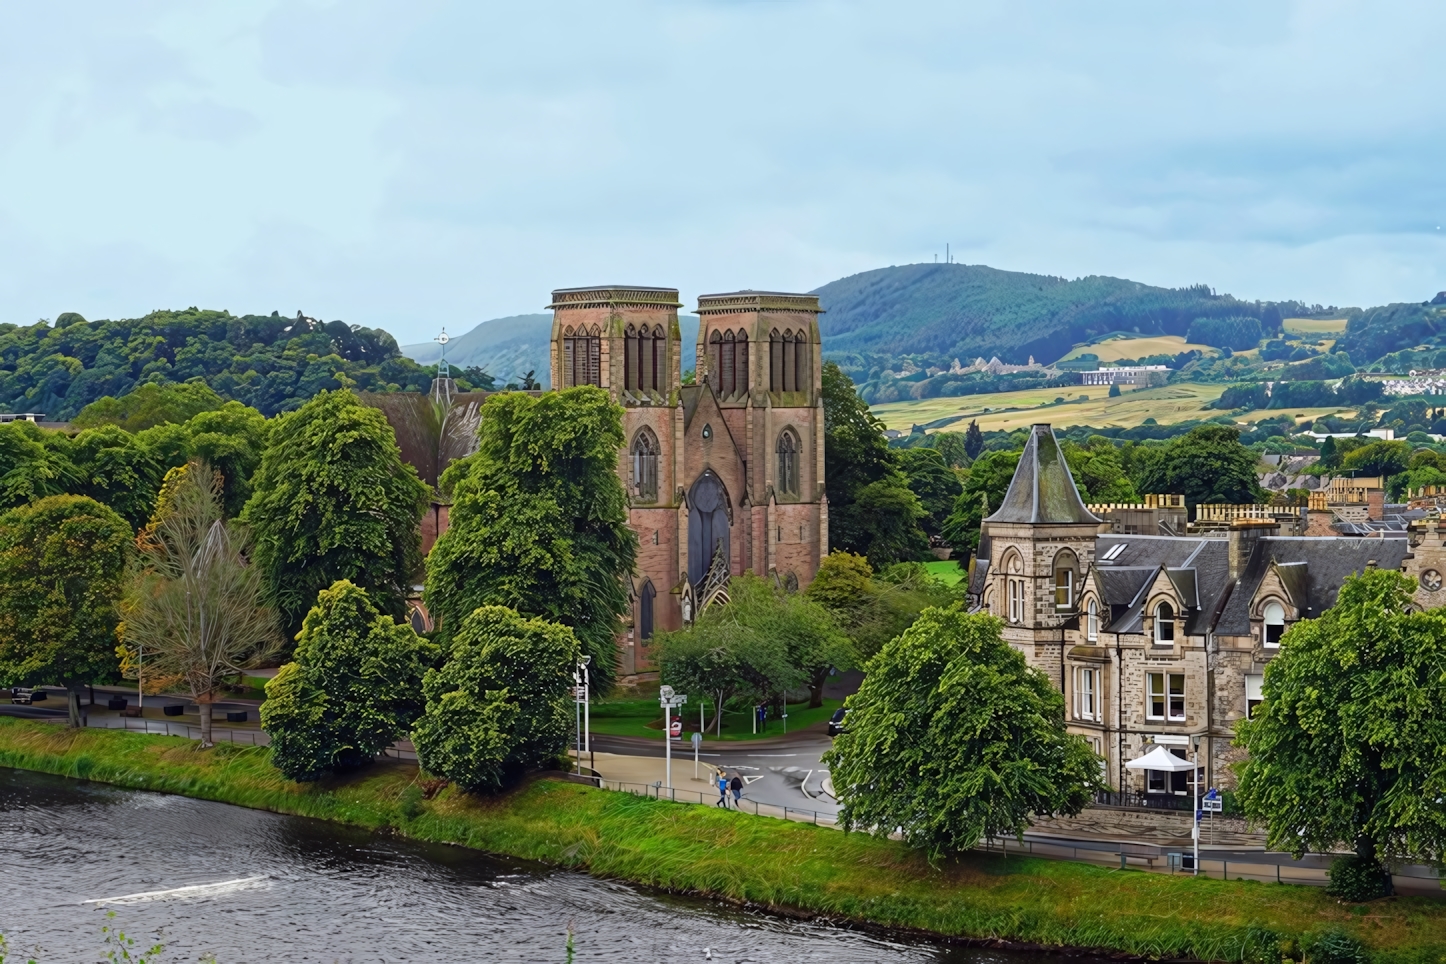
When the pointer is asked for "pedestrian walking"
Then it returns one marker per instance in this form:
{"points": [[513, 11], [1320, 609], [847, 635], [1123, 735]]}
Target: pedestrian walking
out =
{"points": [[736, 785], [722, 790]]}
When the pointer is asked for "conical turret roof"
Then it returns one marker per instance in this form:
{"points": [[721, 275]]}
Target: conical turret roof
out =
{"points": [[1042, 490]]}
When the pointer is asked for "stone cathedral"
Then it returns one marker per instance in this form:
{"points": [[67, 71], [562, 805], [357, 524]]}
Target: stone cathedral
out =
{"points": [[730, 466], [723, 476]]}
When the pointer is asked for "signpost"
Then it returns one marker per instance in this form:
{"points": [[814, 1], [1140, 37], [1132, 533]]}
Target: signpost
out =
{"points": [[669, 701], [582, 708], [697, 742], [1212, 803]]}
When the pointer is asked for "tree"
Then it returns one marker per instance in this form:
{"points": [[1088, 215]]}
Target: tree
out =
{"points": [[114, 468], [1329, 459], [984, 491], [32, 466], [352, 688], [1347, 743], [761, 644], [954, 739], [539, 520], [62, 562], [149, 405], [1098, 471], [195, 608], [952, 448], [973, 440], [1114, 390], [333, 500], [232, 440], [1382, 459], [933, 482], [873, 610], [1207, 464], [500, 705], [869, 498]]}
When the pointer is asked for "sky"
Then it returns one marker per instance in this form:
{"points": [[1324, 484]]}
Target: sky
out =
{"points": [[420, 164]]}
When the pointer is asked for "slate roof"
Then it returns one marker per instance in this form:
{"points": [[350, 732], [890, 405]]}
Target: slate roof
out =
{"points": [[1042, 490]]}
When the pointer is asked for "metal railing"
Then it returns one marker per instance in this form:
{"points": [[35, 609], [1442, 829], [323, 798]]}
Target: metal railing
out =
{"points": [[1145, 801], [191, 731], [745, 805]]}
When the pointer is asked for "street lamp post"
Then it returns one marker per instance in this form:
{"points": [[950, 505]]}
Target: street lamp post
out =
{"points": [[1195, 787], [581, 710], [669, 700]]}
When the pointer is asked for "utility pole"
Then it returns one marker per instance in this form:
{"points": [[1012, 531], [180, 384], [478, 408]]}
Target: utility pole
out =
{"points": [[668, 700]]}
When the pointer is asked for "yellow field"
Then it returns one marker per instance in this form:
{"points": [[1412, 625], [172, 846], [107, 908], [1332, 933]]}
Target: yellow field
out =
{"points": [[1315, 326], [1121, 347], [1173, 403]]}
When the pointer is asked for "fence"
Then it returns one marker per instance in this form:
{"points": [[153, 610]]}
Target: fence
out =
{"points": [[745, 805], [191, 731]]}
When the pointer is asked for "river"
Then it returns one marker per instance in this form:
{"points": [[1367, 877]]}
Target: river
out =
{"points": [[299, 890]]}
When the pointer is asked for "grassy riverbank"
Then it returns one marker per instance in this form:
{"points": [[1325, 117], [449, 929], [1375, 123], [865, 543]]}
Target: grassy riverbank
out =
{"points": [[760, 860]]}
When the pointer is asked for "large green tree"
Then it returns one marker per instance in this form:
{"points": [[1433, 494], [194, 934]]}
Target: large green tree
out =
{"points": [[935, 484], [1347, 745], [953, 738], [873, 609], [149, 405], [983, 493], [62, 562], [114, 468], [332, 499], [539, 520], [1098, 471], [872, 511], [500, 705], [1206, 464], [1382, 458], [352, 688]]}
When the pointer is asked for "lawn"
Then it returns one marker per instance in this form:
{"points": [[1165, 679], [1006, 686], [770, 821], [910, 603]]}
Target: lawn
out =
{"points": [[640, 716], [947, 572], [764, 863], [1121, 347], [1172, 403]]}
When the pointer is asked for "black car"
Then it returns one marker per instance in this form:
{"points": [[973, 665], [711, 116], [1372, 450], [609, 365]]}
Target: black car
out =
{"points": [[21, 694], [836, 722]]}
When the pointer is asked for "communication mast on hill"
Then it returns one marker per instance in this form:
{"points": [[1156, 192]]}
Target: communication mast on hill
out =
{"points": [[443, 371]]}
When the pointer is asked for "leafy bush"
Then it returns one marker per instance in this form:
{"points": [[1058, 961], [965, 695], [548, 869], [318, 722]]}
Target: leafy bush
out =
{"points": [[500, 704], [1333, 947], [353, 687], [1355, 878]]}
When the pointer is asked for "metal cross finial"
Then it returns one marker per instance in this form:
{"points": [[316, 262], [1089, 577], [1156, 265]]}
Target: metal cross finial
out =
{"points": [[443, 369]]}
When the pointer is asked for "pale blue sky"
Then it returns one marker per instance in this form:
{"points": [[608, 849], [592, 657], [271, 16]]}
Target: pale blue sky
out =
{"points": [[408, 165]]}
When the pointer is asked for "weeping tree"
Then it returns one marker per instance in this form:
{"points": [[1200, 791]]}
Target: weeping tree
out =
{"points": [[194, 605]]}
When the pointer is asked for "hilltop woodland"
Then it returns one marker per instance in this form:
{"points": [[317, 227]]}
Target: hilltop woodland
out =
{"points": [[268, 362]]}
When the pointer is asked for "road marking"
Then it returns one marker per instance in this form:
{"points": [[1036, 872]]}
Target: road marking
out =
{"points": [[195, 890]]}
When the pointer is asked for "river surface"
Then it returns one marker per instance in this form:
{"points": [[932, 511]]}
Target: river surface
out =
{"points": [[329, 893]]}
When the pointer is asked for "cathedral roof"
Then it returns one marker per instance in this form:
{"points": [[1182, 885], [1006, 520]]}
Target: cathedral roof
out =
{"points": [[1042, 490]]}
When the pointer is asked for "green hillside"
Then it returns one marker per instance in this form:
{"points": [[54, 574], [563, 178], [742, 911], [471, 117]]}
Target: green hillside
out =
{"points": [[938, 312]]}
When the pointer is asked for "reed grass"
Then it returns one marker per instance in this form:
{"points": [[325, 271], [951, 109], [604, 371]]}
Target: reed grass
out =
{"points": [[764, 862]]}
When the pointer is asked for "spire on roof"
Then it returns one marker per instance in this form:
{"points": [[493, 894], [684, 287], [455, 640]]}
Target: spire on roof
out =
{"points": [[1042, 490]]}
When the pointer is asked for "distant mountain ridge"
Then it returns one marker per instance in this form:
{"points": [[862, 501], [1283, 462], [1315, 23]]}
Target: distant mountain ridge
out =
{"points": [[946, 311]]}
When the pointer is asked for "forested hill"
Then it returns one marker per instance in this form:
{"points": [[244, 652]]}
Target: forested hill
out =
{"points": [[269, 362], [947, 311]]}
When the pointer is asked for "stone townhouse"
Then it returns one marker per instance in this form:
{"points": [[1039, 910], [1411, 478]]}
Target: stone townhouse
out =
{"points": [[1161, 640]]}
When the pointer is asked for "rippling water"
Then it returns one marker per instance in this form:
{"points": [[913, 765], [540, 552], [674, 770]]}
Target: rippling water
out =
{"points": [[335, 894]]}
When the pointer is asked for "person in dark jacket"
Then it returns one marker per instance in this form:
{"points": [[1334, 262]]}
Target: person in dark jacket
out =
{"points": [[736, 785]]}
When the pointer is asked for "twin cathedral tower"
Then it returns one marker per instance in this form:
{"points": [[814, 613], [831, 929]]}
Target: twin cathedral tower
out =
{"points": [[727, 467]]}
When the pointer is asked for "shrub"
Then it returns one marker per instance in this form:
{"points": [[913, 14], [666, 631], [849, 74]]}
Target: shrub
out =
{"points": [[1333, 947], [1355, 878], [500, 705]]}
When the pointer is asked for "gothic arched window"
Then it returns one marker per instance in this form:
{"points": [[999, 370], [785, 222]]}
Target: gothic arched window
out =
{"points": [[790, 363], [656, 359], [741, 367], [775, 362], [645, 466], [728, 369], [715, 359], [645, 610], [800, 362], [788, 463], [581, 357], [1164, 624], [632, 369]]}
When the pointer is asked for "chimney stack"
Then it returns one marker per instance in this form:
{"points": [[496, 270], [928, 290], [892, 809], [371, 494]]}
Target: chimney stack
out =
{"points": [[1244, 534], [1375, 504]]}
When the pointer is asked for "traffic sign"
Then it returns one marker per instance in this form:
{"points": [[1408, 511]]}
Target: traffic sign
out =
{"points": [[1212, 806]]}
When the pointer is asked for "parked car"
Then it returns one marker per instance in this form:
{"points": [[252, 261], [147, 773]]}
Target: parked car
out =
{"points": [[22, 694], [836, 722]]}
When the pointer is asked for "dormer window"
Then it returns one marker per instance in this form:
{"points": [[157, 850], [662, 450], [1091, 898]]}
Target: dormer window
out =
{"points": [[1164, 624], [1092, 621], [1274, 624], [1064, 564]]}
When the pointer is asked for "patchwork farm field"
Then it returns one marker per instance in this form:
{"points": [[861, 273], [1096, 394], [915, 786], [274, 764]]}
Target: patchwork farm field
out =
{"points": [[1315, 326], [1173, 403], [1121, 347]]}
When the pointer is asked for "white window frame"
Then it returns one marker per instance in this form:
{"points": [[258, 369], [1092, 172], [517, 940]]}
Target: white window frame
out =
{"points": [[1015, 587], [1266, 624], [1092, 620], [1161, 686], [1162, 623], [1086, 693]]}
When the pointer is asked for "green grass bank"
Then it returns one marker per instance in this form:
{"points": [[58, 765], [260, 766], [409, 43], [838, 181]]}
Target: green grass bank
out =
{"points": [[784, 866]]}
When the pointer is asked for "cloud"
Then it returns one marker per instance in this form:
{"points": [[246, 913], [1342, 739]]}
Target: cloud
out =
{"points": [[399, 164]]}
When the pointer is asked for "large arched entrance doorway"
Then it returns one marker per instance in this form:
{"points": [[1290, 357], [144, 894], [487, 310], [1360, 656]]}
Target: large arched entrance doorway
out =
{"points": [[707, 524]]}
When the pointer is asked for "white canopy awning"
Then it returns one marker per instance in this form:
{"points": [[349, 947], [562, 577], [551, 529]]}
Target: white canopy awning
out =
{"points": [[1160, 759]]}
